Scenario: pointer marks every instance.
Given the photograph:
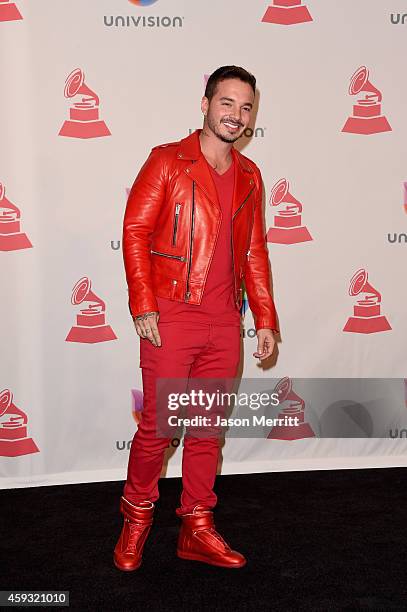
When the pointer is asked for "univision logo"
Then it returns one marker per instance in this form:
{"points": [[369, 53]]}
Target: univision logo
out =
{"points": [[142, 21], [399, 238], [142, 2], [396, 18], [402, 433], [126, 444], [248, 333], [258, 132]]}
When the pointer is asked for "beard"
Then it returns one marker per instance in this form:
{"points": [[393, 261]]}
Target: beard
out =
{"points": [[229, 138]]}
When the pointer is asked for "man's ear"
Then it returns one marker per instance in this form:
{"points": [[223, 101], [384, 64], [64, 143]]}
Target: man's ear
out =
{"points": [[204, 105]]}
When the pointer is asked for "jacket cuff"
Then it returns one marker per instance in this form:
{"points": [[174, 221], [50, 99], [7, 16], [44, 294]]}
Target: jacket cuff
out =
{"points": [[266, 325], [137, 309]]}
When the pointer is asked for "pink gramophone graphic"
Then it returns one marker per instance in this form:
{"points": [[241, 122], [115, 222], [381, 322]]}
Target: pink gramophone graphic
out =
{"points": [[137, 405], [9, 11], [366, 313], [14, 441], [295, 408], [91, 325], [84, 119], [367, 117], [287, 12], [11, 237], [287, 227]]}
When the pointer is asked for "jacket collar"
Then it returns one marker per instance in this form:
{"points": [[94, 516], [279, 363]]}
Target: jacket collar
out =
{"points": [[190, 150]]}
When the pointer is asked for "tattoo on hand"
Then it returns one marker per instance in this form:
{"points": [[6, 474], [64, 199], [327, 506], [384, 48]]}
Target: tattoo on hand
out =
{"points": [[145, 316]]}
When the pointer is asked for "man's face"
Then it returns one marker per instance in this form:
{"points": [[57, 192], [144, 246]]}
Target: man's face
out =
{"points": [[228, 113]]}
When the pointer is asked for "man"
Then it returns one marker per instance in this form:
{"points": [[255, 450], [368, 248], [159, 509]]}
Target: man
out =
{"points": [[193, 230]]}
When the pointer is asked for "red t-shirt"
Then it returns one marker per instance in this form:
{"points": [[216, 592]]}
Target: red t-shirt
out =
{"points": [[217, 306]]}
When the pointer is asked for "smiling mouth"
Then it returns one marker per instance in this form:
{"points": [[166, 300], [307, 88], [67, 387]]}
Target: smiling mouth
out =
{"points": [[231, 125]]}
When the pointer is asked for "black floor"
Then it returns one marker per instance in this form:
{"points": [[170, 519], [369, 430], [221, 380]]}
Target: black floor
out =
{"points": [[326, 540]]}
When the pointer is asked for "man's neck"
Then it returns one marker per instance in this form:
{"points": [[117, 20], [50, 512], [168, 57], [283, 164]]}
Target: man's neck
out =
{"points": [[217, 152]]}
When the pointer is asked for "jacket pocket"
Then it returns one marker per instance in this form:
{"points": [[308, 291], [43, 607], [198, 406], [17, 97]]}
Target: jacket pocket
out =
{"points": [[179, 257], [177, 211]]}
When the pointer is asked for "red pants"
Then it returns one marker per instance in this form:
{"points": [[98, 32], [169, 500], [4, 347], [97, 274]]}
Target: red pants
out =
{"points": [[188, 350]]}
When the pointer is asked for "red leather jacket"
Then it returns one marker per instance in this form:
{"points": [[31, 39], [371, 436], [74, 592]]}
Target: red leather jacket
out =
{"points": [[171, 225]]}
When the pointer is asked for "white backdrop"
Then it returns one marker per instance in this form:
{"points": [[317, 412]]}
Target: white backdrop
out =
{"points": [[147, 66]]}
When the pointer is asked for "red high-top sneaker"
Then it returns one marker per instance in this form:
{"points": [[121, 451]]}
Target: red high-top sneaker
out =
{"points": [[138, 519], [199, 541]]}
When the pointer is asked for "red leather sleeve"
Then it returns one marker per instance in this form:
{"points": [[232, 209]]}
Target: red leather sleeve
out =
{"points": [[142, 210], [257, 269]]}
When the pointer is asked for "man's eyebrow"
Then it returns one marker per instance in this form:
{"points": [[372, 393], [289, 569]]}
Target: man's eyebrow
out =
{"points": [[232, 100]]}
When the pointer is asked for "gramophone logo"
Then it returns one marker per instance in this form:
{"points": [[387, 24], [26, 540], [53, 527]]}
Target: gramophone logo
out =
{"points": [[137, 405], [84, 119], [367, 117], [9, 11], [288, 228], [366, 312], [11, 236], [90, 325], [292, 406], [287, 12], [14, 441]]}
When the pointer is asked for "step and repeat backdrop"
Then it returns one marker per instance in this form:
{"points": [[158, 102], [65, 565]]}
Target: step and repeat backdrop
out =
{"points": [[87, 89]]}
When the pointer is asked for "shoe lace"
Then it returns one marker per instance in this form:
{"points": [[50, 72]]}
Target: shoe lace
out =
{"points": [[136, 529], [217, 535]]}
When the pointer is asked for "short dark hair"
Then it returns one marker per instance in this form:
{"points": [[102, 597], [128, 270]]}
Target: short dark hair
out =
{"points": [[228, 72]]}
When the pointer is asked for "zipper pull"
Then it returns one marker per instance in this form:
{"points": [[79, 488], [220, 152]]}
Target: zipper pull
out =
{"points": [[176, 218]]}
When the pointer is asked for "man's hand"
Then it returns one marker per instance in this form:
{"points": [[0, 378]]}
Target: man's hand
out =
{"points": [[265, 343], [146, 327]]}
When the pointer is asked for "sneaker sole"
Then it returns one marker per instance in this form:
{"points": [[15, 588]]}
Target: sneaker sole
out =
{"points": [[191, 557]]}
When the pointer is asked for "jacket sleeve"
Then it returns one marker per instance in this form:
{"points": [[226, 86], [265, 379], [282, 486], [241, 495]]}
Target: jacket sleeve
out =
{"points": [[257, 269], [140, 218]]}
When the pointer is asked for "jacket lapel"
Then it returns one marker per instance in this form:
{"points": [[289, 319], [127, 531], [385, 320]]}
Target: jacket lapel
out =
{"points": [[200, 173], [244, 182]]}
